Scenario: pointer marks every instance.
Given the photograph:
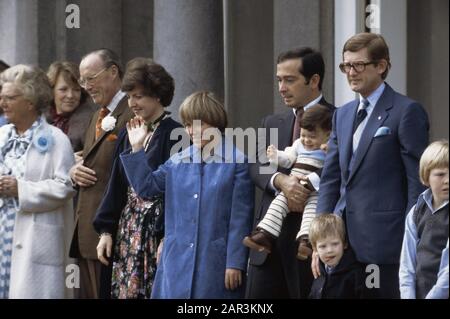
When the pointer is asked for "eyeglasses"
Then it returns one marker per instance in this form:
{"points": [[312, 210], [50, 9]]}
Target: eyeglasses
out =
{"points": [[9, 98], [90, 79], [357, 66]]}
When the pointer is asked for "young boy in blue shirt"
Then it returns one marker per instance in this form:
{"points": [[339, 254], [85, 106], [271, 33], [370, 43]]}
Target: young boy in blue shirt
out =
{"points": [[424, 257]]}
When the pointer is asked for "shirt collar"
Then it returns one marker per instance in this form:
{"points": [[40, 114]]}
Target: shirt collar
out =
{"points": [[307, 106], [374, 97], [115, 100], [427, 196]]}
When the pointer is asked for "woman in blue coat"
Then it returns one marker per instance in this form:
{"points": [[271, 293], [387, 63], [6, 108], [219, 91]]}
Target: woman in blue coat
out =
{"points": [[209, 205]]}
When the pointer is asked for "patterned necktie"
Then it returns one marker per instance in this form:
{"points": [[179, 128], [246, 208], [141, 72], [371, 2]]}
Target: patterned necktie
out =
{"points": [[98, 125], [361, 115], [298, 118]]}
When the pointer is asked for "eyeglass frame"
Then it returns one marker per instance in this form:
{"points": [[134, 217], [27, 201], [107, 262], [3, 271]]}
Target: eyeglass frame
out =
{"points": [[90, 79], [9, 98], [352, 65]]}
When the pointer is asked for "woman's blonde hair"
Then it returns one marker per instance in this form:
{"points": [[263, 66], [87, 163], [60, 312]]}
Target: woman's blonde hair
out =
{"points": [[434, 156], [326, 225], [206, 107], [70, 73]]}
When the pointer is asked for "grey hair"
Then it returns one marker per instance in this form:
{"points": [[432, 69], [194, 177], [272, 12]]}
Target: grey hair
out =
{"points": [[109, 58], [32, 82]]}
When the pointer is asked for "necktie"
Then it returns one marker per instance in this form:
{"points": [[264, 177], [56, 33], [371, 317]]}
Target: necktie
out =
{"points": [[298, 118], [361, 115], [98, 125]]}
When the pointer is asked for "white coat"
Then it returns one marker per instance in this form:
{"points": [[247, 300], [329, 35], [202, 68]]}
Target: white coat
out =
{"points": [[44, 220]]}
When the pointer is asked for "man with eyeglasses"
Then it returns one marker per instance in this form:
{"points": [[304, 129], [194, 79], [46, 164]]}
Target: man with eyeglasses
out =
{"points": [[370, 177], [100, 76]]}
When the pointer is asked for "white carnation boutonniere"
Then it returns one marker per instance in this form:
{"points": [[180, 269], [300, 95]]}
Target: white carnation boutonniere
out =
{"points": [[43, 141], [108, 123]]}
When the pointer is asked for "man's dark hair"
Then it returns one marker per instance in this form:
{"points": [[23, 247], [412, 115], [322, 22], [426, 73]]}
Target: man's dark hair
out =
{"points": [[317, 116], [312, 62]]}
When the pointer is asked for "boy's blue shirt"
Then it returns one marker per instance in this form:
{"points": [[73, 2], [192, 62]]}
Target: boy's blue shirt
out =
{"points": [[409, 254]]}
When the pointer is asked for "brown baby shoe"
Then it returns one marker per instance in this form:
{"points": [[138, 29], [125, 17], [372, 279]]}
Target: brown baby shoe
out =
{"points": [[304, 248], [259, 240]]}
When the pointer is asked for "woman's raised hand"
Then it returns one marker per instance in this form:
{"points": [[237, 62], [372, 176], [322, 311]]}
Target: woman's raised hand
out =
{"points": [[137, 131]]}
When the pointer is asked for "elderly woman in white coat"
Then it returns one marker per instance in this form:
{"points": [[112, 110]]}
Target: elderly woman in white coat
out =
{"points": [[35, 190]]}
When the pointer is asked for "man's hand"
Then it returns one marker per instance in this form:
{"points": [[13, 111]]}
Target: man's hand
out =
{"points": [[82, 175], [293, 190], [233, 278], [315, 265], [104, 246], [137, 131], [324, 147]]}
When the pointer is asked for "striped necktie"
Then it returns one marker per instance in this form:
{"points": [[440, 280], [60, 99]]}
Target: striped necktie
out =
{"points": [[360, 116]]}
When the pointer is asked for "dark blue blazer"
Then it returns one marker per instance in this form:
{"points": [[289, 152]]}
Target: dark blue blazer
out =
{"points": [[383, 183], [115, 197]]}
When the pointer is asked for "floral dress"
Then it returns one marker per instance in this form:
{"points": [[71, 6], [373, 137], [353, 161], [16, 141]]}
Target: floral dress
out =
{"points": [[137, 241], [139, 233]]}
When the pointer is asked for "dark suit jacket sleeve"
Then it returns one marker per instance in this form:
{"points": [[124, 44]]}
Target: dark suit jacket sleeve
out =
{"points": [[261, 180], [330, 181], [115, 197], [413, 136]]}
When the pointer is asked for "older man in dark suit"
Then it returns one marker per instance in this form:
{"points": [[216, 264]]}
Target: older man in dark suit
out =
{"points": [[371, 172], [101, 75], [280, 274]]}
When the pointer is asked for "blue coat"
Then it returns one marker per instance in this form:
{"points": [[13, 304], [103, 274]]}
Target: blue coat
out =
{"points": [[383, 183], [209, 208]]}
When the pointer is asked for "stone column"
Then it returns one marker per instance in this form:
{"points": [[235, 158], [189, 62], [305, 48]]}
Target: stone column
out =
{"points": [[19, 31], [249, 58], [188, 42], [299, 23], [36, 32]]}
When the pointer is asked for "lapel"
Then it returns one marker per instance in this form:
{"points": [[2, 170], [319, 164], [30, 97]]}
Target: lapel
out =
{"points": [[377, 118], [285, 128], [347, 135], [121, 107]]}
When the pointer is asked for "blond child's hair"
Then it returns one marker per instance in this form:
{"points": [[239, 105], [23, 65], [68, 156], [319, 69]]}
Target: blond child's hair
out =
{"points": [[434, 156], [326, 225], [204, 106]]}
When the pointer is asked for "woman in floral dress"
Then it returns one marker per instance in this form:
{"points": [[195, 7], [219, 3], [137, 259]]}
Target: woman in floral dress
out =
{"points": [[133, 226]]}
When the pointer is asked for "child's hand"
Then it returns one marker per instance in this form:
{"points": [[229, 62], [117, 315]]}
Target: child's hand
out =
{"points": [[324, 147], [272, 153]]}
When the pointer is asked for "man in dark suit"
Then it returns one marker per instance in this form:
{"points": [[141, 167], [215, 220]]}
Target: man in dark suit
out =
{"points": [[100, 76], [371, 170], [280, 274]]}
